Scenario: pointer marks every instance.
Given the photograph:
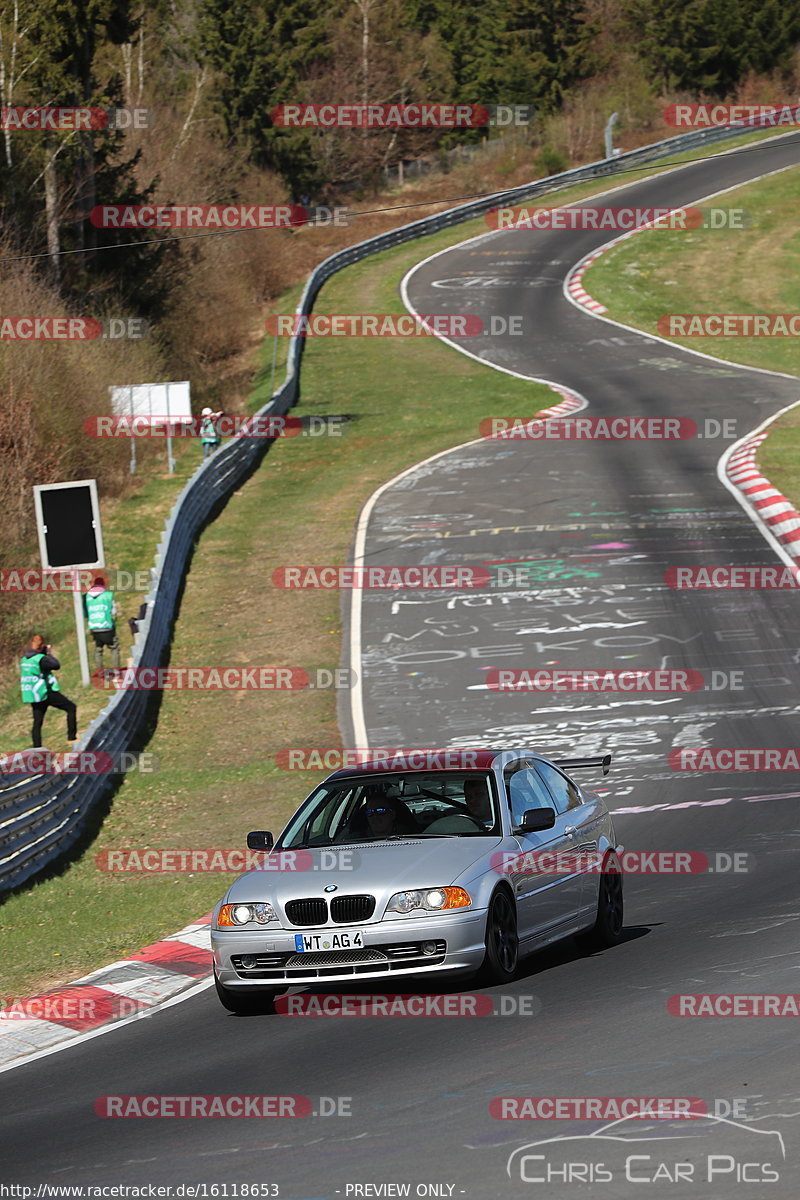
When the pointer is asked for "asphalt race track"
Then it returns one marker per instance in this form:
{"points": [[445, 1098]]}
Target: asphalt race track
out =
{"points": [[600, 522]]}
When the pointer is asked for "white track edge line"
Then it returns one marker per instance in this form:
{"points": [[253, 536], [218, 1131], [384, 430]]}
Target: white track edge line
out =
{"points": [[357, 692]]}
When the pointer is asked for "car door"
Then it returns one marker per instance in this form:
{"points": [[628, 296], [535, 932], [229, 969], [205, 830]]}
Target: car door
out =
{"points": [[580, 827], [547, 896]]}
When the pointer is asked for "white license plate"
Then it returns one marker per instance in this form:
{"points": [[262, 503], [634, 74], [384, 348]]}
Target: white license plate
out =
{"points": [[352, 939]]}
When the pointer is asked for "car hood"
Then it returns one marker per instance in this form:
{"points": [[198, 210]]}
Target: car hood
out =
{"points": [[375, 867]]}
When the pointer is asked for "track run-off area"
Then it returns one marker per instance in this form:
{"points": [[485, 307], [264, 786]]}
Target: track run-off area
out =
{"points": [[597, 524]]}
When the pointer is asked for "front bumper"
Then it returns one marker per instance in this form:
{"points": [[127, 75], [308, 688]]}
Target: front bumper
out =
{"points": [[391, 948]]}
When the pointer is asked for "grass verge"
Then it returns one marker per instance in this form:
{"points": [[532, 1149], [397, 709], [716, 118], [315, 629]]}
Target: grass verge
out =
{"points": [[755, 269], [779, 456]]}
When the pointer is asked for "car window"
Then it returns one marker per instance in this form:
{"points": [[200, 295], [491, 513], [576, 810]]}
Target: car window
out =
{"points": [[526, 790], [328, 818], [565, 793], [370, 808]]}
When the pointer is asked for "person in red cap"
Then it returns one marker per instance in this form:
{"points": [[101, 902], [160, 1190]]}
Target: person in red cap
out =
{"points": [[100, 609], [40, 688]]}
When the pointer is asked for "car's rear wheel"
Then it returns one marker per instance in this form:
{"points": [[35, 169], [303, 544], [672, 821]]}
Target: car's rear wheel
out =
{"points": [[607, 928], [245, 1002], [502, 941]]}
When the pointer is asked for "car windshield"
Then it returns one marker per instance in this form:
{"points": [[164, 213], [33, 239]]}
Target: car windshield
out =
{"points": [[393, 806]]}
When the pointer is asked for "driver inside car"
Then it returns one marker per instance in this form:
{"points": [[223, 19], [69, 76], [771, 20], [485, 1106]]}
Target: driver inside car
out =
{"points": [[478, 816], [381, 816]]}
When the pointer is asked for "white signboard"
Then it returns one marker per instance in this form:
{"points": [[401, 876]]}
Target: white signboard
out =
{"points": [[171, 402], [160, 404]]}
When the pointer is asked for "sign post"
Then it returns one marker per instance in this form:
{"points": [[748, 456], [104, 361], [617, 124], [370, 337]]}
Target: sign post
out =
{"points": [[133, 439], [70, 539], [83, 654], [170, 459], [609, 135], [274, 360]]}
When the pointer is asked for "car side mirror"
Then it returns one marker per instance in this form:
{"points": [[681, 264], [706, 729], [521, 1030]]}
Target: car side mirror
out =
{"points": [[535, 819], [259, 839]]}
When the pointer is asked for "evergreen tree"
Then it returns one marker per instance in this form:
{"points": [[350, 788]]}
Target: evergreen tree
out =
{"points": [[526, 52], [547, 50], [256, 55], [85, 168], [711, 46]]}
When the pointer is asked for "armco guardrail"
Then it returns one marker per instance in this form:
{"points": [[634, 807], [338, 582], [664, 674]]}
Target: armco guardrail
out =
{"points": [[42, 816]]}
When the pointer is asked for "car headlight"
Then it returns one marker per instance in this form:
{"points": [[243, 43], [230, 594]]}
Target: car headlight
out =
{"points": [[430, 899], [231, 915]]}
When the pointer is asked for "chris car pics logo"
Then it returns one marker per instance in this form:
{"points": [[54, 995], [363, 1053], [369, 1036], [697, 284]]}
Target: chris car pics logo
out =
{"points": [[730, 1155]]}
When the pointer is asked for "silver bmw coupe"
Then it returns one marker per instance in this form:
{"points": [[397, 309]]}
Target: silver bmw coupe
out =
{"points": [[433, 863]]}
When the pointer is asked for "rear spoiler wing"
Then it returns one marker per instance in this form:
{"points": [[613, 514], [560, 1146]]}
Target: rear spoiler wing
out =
{"points": [[573, 764]]}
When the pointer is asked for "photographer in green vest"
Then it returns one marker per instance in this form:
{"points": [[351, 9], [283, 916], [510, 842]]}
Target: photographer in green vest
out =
{"points": [[100, 609], [209, 437], [40, 688]]}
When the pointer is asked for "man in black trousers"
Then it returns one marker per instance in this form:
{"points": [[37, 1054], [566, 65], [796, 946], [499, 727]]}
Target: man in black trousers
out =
{"points": [[40, 688]]}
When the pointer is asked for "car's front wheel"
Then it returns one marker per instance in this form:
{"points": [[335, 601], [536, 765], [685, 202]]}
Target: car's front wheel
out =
{"points": [[245, 1002], [502, 940], [607, 928]]}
